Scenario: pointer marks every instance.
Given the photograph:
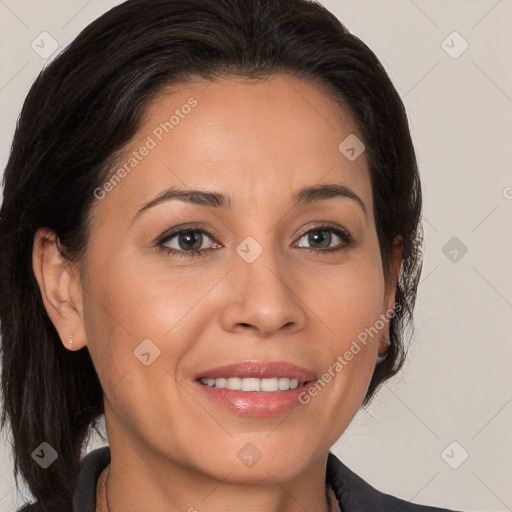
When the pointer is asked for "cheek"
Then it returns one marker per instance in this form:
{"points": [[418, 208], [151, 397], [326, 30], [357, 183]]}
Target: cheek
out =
{"points": [[349, 300], [132, 300], [349, 304]]}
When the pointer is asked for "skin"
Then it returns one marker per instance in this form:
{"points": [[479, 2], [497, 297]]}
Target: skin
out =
{"points": [[257, 142]]}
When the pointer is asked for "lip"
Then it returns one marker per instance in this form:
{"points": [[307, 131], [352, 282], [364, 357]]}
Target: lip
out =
{"points": [[256, 403], [259, 370]]}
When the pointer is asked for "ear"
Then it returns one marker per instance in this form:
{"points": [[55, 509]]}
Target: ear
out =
{"points": [[390, 292], [60, 288]]}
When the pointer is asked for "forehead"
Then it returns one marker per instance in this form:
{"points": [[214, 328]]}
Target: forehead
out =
{"points": [[256, 140]]}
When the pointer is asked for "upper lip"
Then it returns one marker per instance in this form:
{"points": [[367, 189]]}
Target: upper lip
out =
{"points": [[259, 369]]}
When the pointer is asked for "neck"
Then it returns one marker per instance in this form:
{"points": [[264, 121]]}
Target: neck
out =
{"points": [[131, 488]]}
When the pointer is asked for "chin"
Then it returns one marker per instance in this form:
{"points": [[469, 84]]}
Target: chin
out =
{"points": [[255, 463]]}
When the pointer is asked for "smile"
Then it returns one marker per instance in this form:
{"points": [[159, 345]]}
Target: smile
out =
{"points": [[255, 388]]}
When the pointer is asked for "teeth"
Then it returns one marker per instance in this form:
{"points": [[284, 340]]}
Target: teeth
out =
{"points": [[270, 384], [253, 384], [234, 383], [218, 383]]}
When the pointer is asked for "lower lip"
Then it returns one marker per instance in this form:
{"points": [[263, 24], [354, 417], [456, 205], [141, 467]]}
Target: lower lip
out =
{"points": [[256, 403]]}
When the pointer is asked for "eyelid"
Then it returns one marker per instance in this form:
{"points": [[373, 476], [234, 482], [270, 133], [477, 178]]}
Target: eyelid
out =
{"points": [[176, 230], [327, 226]]}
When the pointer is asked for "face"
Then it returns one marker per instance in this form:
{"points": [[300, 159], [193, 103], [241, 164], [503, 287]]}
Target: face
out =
{"points": [[274, 283]]}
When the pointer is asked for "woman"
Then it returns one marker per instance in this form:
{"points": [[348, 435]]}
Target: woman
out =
{"points": [[210, 234]]}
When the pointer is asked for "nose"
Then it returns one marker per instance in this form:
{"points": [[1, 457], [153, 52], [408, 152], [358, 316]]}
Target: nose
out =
{"points": [[264, 298]]}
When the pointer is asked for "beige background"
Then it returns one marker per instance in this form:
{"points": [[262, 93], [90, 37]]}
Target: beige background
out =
{"points": [[457, 384]]}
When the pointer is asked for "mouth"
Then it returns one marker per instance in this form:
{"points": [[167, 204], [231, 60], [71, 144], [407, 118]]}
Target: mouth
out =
{"points": [[256, 388]]}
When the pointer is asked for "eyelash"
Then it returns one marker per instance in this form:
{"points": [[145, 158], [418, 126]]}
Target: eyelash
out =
{"points": [[345, 236]]}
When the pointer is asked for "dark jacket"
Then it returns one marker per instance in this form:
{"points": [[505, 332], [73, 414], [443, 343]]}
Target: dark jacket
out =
{"points": [[353, 493]]}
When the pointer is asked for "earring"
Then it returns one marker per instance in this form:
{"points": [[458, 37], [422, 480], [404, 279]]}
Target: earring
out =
{"points": [[71, 340], [382, 357]]}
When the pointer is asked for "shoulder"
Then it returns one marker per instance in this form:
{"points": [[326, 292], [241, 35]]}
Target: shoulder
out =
{"points": [[84, 499], [356, 495]]}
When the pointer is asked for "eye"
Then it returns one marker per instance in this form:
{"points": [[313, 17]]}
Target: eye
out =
{"points": [[320, 238], [186, 242], [189, 241]]}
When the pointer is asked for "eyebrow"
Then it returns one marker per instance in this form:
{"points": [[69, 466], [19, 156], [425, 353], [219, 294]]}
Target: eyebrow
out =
{"points": [[306, 195]]}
